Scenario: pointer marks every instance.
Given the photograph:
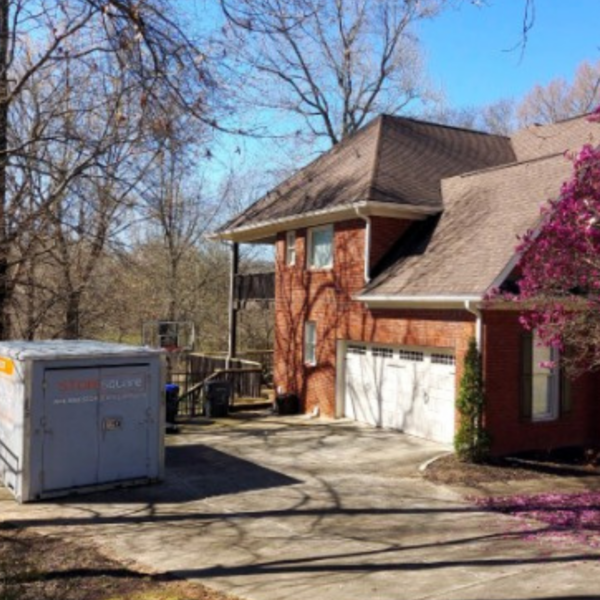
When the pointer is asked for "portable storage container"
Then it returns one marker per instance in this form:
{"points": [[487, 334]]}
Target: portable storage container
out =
{"points": [[78, 415]]}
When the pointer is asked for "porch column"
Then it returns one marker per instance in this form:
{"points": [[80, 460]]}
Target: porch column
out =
{"points": [[235, 263]]}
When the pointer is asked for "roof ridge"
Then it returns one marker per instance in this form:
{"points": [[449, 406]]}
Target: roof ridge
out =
{"points": [[507, 165], [377, 157], [559, 122], [445, 126]]}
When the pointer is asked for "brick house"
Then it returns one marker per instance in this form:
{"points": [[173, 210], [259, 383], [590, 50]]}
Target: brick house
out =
{"points": [[385, 248]]}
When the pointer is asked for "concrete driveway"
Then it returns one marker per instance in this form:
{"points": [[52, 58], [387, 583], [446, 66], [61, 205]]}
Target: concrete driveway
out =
{"points": [[275, 508]]}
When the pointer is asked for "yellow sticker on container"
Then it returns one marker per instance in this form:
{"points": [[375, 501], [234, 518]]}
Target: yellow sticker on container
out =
{"points": [[7, 366]]}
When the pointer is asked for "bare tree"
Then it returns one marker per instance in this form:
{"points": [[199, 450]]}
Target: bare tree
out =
{"points": [[177, 212], [331, 63], [560, 99], [142, 65], [497, 117]]}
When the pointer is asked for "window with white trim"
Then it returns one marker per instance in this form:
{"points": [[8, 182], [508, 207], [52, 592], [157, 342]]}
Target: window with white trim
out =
{"points": [[310, 343], [290, 248], [320, 247], [545, 392], [354, 349], [544, 383]]}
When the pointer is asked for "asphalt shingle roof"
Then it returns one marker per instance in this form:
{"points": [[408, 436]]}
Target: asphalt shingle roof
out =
{"points": [[565, 136], [393, 159], [464, 249]]}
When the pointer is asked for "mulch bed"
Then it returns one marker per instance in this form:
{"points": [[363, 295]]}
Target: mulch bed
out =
{"points": [[450, 471], [38, 567]]}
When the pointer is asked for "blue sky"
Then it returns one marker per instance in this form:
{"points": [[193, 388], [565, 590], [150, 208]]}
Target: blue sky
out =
{"points": [[468, 49], [468, 55]]}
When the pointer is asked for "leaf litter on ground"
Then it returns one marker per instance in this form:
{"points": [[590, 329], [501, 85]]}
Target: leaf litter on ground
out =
{"points": [[569, 519]]}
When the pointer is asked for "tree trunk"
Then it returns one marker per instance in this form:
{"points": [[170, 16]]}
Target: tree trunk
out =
{"points": [[4, 233], [73, 315]]}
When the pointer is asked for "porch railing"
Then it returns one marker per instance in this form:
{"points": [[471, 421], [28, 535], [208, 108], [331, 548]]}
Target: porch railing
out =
{"points": [[244, 376], [254, 287]]}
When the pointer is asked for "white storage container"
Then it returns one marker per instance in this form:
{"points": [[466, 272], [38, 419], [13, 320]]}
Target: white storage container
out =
{"points": [[78, 415]]}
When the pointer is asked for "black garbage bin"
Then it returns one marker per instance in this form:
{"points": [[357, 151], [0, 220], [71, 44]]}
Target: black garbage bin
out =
{"points": [[287, 404], [172, 405], [217, 395]]}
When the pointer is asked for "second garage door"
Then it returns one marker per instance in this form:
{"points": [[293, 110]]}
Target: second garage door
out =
{"points": [[410, 389]]}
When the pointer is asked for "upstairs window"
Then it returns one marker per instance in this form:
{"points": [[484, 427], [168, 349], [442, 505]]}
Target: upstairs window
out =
{"points": [[290, 248], [320, 247]]}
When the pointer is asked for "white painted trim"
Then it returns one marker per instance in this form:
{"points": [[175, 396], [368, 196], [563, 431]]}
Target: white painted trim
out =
{"points": [[478, 322], [266, 230], [290, 245], [340, 378], [309, 248], [506, 271], [437, 301]]}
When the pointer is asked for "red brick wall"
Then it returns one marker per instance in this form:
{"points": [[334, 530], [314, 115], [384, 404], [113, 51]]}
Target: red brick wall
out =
{"points": [[385, 232], [326, 298], [510, 433]]}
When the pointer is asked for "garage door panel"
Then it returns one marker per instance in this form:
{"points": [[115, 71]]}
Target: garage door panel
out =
{"points": [[409, 389]]}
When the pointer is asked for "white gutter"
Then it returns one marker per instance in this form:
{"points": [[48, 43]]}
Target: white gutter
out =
{"points": [[478, 327], [269, 227], [416, 299], [368, 229]]}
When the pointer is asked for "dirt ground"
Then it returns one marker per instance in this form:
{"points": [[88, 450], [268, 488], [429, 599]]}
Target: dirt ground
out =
{"points": [[36, 567]]}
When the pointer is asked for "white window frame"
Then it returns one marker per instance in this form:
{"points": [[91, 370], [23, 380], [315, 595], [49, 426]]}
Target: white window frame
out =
{"points": [[290, 248], [310, 342], [310, 248], [553, 381]]}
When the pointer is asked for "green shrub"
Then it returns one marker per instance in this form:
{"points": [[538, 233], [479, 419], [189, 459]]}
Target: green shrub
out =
{"points": [[471, 442]]}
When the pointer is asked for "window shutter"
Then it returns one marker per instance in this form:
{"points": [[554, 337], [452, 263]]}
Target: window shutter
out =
{"points": [[526, 378], [566, 401]]}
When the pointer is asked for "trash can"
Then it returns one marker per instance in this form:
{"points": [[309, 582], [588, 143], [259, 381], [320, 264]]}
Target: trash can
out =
{"points": [[217, 395], [172, 402], [287, 404]]}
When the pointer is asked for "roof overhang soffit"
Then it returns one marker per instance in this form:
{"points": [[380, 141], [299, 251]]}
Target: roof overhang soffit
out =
{"points": [[267, 230]]}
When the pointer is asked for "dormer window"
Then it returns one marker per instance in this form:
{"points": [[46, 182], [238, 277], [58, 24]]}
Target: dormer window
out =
{"points": [[320, 247], [290, 248]]}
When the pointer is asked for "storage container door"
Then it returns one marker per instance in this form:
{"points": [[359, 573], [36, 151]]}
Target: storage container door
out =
{"points": [[70, 432], [124, 420]]}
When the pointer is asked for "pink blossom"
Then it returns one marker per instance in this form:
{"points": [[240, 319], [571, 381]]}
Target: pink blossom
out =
{"points": [[559, 268], [564, 518]]}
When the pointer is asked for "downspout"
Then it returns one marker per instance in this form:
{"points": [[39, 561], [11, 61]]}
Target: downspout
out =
{"points": [[478, 327], [367, 220]]}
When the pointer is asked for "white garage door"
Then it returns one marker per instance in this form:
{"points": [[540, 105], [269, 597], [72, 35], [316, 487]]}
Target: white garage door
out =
{"points": [[410, 389]]}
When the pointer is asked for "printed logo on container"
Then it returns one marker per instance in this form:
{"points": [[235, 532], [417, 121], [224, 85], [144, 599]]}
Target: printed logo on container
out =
{"points": [[7, 366], [122, 386]]}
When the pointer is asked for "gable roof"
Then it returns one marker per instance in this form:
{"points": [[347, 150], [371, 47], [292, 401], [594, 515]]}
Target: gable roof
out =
{"points": [[462, 251], [393, 161], [565, 136]]}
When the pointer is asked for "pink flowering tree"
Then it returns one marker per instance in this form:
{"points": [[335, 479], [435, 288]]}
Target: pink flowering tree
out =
{"points": [[559, 269]]}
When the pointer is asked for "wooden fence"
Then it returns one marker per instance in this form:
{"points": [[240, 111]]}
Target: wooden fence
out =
{"points": [[244, 376]]}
